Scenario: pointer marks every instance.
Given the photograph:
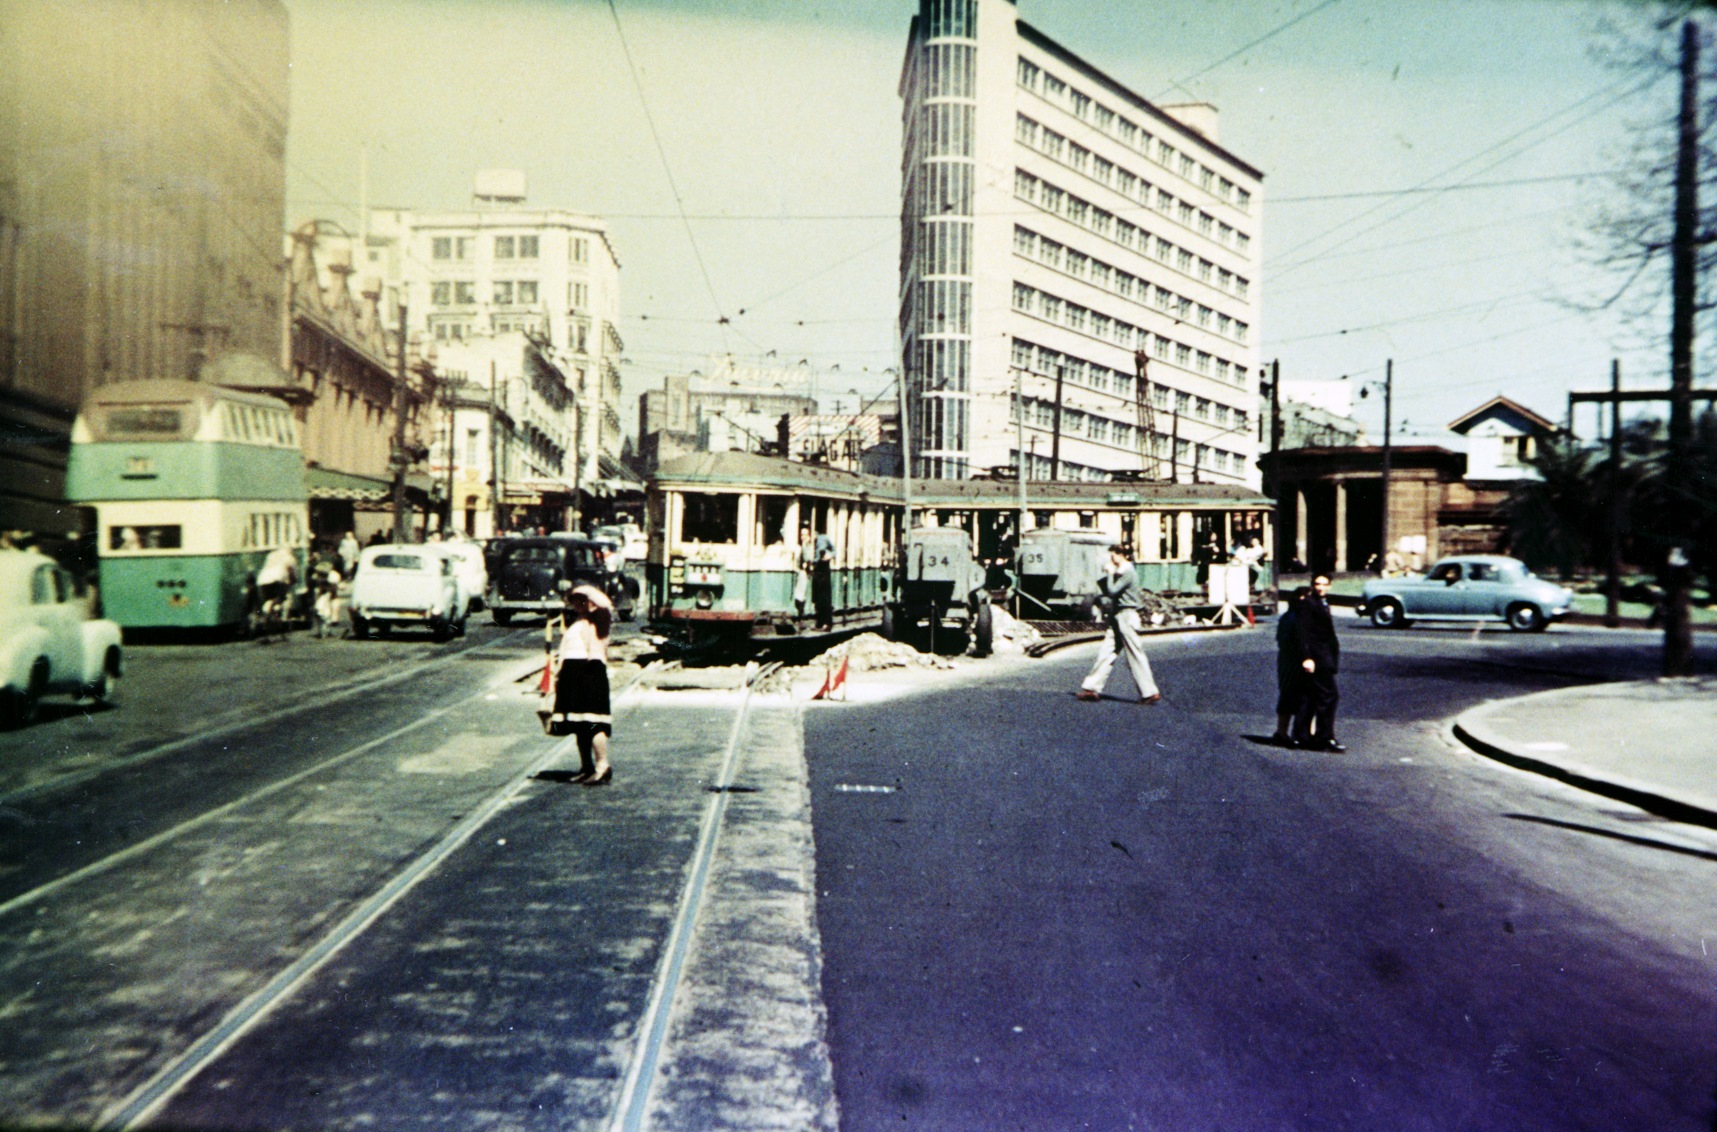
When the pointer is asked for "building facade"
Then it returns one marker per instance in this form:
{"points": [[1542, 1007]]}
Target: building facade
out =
{"points": [[734, 407], [142, 191], [1061, 235], [484, 284]]}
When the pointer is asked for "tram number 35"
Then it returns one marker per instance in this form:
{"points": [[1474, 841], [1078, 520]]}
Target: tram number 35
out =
{"points": [[1035, 558]]}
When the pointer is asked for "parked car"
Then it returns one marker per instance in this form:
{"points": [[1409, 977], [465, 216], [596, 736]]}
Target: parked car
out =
{"points": [[400, 586], [613, 550], [469, 568], [634, 547], [528, 574], [49, 641], [1474, 587]]}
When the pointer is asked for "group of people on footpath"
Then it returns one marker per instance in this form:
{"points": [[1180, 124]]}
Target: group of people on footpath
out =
{"points": [[1308, 655]]}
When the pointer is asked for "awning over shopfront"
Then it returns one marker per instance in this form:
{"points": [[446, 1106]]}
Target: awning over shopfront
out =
{"points": [[615, 479], [325, 483]]}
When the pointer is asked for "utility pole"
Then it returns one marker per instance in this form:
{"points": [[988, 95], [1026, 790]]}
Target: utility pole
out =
{"points": [[1174, 448], [452, 447], [401, 521], [1055, 437], [1613, 580], [905, 455], [1276, 554], [494, 461], [1019, 457], [1677, 574], [1388, 449]]}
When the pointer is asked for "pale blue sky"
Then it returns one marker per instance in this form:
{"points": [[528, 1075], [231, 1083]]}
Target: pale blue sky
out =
{"points": [[781, 125]]}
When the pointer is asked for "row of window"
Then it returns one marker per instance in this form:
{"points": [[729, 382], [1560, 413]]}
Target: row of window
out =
{"points": [[944, 307], [463, 292], [948, 71], [940, 188], [1105, 172], [1040, 414], [1052, 199], [1130, 134], [253, 424], [941, 424], [1052, 308], [457, 330], [947, 129], [1077, 371], [1112, 279], [944, 247], [461, 248]]}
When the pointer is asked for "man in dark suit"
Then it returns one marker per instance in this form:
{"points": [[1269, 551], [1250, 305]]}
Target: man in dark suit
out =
{"points": [[1314, 723]]}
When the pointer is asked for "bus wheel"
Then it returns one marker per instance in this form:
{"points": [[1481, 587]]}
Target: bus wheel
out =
{"points": [[983, 630]]}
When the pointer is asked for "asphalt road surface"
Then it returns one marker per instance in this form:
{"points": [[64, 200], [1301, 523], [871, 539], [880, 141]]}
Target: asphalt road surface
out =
{"points": [[1109, 916], [1034, 912]]}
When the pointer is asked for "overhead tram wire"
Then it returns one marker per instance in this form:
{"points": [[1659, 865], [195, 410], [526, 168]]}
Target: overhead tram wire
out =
{"points": [[1178, 84], [667, 170], [1625, 91]]}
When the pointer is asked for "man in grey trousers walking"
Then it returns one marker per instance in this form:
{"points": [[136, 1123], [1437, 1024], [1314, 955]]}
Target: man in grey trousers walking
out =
{"points": [[1122, 601]]}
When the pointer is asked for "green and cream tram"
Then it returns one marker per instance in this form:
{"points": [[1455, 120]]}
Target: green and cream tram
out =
{"points": [[193, 485], [723, 536]]}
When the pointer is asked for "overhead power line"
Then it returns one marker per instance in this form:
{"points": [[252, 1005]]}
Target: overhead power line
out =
{"points": [[1233, 55]]}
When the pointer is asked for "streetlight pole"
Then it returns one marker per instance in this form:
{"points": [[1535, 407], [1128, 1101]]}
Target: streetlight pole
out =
{"points": [[1388, 451], [399, 461]]}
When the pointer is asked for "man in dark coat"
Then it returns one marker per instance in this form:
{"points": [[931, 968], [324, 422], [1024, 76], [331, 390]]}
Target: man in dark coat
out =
{"points": [[1314, 723]]}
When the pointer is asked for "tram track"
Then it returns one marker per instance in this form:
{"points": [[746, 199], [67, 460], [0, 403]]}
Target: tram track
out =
{"points": [[320, 696], [149, 1098]]}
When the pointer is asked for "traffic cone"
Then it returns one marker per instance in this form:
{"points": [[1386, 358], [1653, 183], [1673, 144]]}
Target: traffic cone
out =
{"points": [[547, 684], [1251, 620], [833, 682]]}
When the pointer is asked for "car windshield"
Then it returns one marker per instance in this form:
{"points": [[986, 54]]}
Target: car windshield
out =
{"points": [[538, 554]]}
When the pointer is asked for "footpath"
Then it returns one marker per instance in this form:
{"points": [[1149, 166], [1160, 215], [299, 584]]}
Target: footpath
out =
{"points": [[1651, 743]]}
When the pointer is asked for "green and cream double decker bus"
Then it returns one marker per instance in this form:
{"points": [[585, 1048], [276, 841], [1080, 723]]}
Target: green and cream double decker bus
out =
{"points": [[193, 485]]}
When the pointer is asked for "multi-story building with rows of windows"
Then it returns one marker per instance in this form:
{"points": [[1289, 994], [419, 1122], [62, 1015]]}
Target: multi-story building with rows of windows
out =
{"points": [[525, 300], [1060, 235]]}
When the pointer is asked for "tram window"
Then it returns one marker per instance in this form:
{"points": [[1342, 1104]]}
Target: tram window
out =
{"points": [[708, 517], [144, 422], [161, 537], [1169, 544], [771, 520]]}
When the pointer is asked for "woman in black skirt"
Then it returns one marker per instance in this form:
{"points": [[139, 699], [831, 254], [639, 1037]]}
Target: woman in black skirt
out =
{"points": [[581, 684]]}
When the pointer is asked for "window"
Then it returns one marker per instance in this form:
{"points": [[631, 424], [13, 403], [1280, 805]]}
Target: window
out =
{"points": [[503, 293], [1053, 87], [1022, 297], [440, 294], [529, 247], [1204, 314], [1165, 153], [1129, 132], [1182, 354], [1183, 211], [1204, 177], [580, 250], [1243, 199], [1079, 157], [441, 247], [1203, 364], [578, 296], [1025, 130], [527, 291], [707, 517], [1077, 263], [504, 247], [1205, 223], [1081, 104], [462, 247], [1028, 75], [1183, 260], [464, 292], [1053, 144]]}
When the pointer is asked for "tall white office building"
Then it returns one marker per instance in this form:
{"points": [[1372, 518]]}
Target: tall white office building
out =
{"points": [[475, 280], [1059, 233]]}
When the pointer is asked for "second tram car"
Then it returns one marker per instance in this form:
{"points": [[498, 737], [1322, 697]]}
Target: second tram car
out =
{"points": [[193, 486], [723, 538]]}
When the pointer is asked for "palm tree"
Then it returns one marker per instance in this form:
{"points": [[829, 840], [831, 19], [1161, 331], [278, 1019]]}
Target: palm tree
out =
{"points": [[1553, 520]]}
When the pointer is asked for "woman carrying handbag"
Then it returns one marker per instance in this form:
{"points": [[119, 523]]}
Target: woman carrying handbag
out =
{"points": [[580, 667]]}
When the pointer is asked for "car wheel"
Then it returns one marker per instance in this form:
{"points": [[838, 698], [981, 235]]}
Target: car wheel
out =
{"points": [[106, 688], [360, 627], [1388, 614], [441, 629], [25, 702], [983, 630], [1524, 618], [502, 617]]}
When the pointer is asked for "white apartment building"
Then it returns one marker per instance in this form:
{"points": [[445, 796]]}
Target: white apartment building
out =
{"points": [[500, 270], [1054, 225]]}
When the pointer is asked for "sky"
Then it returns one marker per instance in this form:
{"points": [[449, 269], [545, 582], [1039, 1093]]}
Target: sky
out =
{"points": [[1433, 169]]}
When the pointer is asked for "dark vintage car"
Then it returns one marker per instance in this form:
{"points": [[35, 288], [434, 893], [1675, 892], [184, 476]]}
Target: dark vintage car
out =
{"points": [[527, 573]]}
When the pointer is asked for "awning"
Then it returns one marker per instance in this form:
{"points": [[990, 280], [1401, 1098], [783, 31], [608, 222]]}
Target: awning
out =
{"points": [[615, 479], [325, 483]]}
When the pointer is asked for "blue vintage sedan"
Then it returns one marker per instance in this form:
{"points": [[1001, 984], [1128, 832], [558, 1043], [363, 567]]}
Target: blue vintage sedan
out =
{"points": [[1474, 587]]}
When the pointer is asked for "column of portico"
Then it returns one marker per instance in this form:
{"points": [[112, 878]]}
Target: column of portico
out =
{"points": [[1340, 526], [1302, 545]]}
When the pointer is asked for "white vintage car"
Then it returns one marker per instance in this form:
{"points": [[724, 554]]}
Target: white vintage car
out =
{"points": [[402, 586], [49, 643]]}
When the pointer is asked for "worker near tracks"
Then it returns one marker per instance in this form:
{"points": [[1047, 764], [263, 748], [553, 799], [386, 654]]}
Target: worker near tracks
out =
{"points": [[817, 557], [1122, 601]]}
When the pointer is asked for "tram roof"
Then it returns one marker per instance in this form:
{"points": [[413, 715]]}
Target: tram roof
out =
{"points": [[173, 389], [734, 469]]}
